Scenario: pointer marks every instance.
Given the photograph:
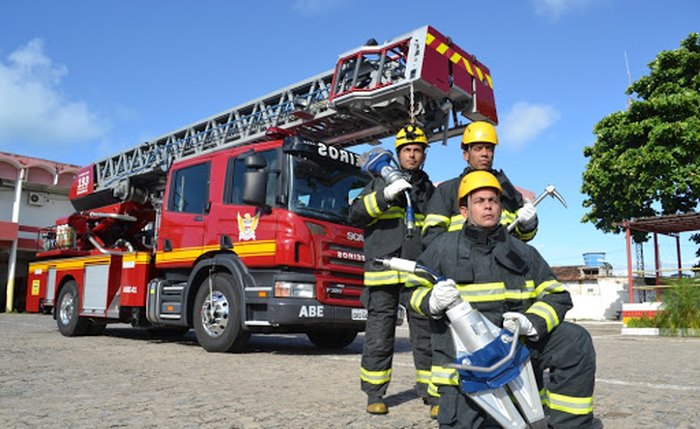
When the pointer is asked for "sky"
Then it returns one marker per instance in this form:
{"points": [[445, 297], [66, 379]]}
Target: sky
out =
{"points": [[81, 80]]}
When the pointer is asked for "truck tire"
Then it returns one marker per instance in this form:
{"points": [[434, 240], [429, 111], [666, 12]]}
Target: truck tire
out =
{"points": [[67, 309], [218, 323], [332, 338]]}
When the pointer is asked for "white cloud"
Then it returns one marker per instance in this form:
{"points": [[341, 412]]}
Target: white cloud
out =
{"points": [[33, 108], [555, 9], [525, 122]]}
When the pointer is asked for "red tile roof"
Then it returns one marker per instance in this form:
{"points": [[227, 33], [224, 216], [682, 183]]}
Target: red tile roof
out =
{"points": [[39, 171]]}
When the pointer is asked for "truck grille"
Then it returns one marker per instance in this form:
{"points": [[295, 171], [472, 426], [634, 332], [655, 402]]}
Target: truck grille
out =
{"points": [[345, 256]]}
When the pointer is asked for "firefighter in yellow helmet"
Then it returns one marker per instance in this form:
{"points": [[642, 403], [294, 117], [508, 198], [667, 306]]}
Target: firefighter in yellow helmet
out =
{"points": [[506, 280], [381, 209], [479, 143]]}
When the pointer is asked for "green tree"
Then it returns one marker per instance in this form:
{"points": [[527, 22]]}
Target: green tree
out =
{"points": [[646, 160]]}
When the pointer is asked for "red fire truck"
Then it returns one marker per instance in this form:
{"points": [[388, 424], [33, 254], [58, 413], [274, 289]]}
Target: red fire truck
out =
{"points": [[237, 224]]}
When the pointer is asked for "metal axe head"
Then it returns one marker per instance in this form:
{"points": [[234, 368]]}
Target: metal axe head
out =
{"points": [[550, 190]]}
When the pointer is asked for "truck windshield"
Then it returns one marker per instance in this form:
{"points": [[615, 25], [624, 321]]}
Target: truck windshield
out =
{"points": [[324, 191]]}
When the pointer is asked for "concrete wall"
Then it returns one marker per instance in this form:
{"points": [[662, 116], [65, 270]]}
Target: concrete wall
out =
{"points": [[42, 211], [598, 298]]}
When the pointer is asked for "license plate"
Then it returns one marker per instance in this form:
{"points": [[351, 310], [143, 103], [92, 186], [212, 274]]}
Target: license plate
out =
{"points": [[359, 314]]}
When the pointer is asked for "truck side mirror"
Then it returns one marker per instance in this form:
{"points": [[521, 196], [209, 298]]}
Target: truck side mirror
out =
{"points": [[255, 161], [255, 180]]}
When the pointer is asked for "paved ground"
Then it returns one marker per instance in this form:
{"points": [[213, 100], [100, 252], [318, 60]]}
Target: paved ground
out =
{"points": [[128, 379]]}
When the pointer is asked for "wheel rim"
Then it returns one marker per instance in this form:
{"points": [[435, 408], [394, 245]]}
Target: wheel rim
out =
{"points": [[66, 310], [214, 314]]}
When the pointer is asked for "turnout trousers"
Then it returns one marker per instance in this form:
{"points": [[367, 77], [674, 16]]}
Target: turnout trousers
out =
{"points": [[382, 304], [380, 335], [566, 394]]}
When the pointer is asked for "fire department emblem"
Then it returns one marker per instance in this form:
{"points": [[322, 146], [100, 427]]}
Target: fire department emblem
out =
{"points": [[247, 226]]}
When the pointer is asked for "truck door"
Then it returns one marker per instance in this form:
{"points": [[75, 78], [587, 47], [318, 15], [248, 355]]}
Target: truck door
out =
{"points": [[247, 228], [180, 239]]}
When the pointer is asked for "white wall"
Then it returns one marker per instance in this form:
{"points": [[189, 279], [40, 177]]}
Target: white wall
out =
{"points": [[44, 213], [597, 299]]}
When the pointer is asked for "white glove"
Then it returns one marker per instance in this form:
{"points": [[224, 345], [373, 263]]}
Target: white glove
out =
{"points": [[395, 188], [527, 216], [443, 294], [511, 318]]}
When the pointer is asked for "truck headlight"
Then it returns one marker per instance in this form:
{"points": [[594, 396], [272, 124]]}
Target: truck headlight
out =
{"points": [[295, 290]]}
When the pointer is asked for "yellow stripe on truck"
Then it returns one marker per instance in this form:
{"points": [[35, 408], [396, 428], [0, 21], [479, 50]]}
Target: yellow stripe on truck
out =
{"points": [[457, 59], [243, 249]]}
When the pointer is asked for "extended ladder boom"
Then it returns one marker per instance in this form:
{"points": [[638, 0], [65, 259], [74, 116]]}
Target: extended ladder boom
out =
{"points": [[371, 93], [246, 123]]}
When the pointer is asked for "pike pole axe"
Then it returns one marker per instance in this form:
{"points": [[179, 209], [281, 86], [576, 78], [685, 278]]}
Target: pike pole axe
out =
{"points": [[549, 190]]}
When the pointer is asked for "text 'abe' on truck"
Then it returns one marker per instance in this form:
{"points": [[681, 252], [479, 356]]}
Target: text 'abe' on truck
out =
{"points": [[237, 224]]}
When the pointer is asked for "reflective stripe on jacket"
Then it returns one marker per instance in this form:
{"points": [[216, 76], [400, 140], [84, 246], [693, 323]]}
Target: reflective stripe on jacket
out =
{"points": [[384, 226], [443, 214], [495, 273]]}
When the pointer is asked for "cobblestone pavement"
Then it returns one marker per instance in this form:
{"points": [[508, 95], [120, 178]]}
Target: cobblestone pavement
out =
{"points": [[127, 378]]}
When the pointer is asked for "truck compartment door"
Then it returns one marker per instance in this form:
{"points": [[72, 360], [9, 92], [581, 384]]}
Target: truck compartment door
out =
{"points": [[95, 289]]}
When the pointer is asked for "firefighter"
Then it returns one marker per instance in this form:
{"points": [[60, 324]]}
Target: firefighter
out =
{"points": [[380, 210], [478, 147], [506, 280]]}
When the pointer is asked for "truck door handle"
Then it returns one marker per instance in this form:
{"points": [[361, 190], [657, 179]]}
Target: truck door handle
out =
{"points": [[198, 218]]}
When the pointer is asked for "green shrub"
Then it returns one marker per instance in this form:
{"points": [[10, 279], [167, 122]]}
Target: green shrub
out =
{"points": [[680, 312], [642, 322], [681, 308]]}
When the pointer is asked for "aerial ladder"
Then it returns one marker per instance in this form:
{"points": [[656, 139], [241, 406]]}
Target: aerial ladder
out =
{"points": [[372, 92]]}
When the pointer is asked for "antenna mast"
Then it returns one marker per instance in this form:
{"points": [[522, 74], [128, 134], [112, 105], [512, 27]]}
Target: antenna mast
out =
{"points": [[629, 81]]}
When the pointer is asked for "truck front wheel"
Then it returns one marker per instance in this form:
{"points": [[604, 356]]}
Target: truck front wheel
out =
{"points": [[217, 320], [332, 338], [67, 310]]}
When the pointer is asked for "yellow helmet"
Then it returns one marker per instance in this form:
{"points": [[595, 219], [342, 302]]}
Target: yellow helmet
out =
{"points": [[477, 180], [410, 134], [479, 132]]}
